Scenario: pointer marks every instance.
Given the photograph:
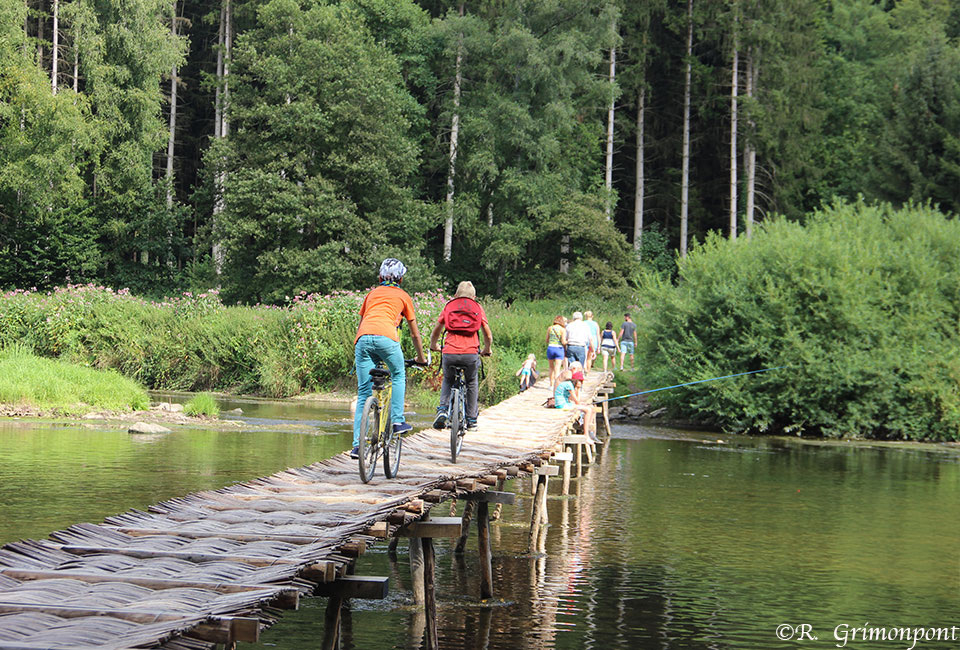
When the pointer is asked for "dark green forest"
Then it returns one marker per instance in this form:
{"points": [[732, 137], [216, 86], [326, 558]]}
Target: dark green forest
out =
{"points": [[271, 147]]}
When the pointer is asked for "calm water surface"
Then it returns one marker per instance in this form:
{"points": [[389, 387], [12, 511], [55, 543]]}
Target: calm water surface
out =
{"points": [[676, 540]]}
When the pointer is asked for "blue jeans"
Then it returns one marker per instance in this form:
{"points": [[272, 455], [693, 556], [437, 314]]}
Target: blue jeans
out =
{"points": [[370, 349], [577, 353]]}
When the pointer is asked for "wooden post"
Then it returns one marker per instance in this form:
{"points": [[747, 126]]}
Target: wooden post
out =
{"points": [[578, 453], [536, 515], [606, 418], [498, 509], [565, 458], [392, 547], [416, 570], [468, 509], [331, 624], [430, 597], [483, 541]]}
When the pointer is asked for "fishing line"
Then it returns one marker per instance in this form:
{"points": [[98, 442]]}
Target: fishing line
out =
{"points": [[689, 383]]}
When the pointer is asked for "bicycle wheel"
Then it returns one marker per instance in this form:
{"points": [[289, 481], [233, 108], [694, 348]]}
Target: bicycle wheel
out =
{"points": [[391, 451], [369, 438], [456, 423]]}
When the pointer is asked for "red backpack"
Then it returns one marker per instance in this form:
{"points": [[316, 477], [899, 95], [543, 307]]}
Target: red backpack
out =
{"points": [[463, 316]]}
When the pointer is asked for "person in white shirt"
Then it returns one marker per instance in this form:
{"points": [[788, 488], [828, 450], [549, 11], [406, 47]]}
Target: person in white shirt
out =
{"points": [[578, 339]]}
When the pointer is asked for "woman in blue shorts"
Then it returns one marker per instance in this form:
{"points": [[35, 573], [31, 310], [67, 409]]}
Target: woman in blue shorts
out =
{"points": [[556, 349]]}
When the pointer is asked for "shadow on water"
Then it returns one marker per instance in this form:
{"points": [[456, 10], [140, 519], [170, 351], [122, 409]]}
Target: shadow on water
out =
{"points": [[675, 539]]}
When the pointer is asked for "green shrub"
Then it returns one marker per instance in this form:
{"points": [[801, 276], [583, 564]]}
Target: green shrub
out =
{"points": [[202, 404], [862, 304], [46, 383]]}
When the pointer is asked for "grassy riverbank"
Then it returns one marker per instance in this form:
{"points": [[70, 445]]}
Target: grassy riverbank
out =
{"points": [[28, 380], [195, 343]]}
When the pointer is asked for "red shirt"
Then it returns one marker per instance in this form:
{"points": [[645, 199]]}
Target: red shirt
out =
{"points": [[458, 343]]}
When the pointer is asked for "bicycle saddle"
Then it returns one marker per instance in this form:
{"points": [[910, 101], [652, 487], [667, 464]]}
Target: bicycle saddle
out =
{"points": [[379, 373]]}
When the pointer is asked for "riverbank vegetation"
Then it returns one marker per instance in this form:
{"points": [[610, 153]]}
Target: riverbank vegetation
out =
{"points": [[194, 342], [860, 307], [202, 404], [31, 381]]}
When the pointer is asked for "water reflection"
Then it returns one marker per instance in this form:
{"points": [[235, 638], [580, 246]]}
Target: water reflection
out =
{"points": [[672, 540], [676, 541]]}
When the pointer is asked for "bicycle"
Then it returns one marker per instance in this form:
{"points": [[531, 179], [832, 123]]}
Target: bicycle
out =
{"points": [[457, 412], [377, 436]]}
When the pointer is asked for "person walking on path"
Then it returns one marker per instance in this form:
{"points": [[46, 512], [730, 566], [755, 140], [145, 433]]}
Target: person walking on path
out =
{"points": [[378, 339], [556, 349], [594, 348], [609, 345], [463, 319], [628, 341], [578, 339]]}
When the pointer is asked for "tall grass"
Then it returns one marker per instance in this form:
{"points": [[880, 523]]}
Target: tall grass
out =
{"points": [[46, 383], [202, 404], [194, 342]]}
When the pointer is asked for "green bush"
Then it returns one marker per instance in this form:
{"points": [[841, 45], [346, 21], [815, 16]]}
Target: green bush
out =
{"points": [[193, 342], [46, 383], [862, 304], [202, 404]]}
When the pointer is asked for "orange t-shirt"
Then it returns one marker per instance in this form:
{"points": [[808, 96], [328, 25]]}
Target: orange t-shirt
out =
{"points": [[382, 310]]}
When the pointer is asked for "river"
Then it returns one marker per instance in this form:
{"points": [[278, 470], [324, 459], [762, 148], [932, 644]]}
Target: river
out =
{"points": [[675, 539]]}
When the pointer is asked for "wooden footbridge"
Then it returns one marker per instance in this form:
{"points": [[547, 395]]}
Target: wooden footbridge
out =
{"points": [[217, 567]]}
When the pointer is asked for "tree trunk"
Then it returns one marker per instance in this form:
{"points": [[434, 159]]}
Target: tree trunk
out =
{"points": [[685, 173], [454, 136], [608, 180], [40, 33], [564, 253], [222, 126], [56, 45], [750, 152], [76, 66], [171, 140], [638, 196], [734, 88]]}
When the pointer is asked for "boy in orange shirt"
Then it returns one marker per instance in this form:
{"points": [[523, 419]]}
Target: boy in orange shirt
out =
{"points": [[378, 340]]}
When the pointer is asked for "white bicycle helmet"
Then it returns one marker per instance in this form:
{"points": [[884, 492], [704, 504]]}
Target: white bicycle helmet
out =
{"points": [[392, 269]]}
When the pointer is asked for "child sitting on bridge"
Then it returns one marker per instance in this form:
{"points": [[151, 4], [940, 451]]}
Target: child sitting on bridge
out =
{"points": [[565, 397]]}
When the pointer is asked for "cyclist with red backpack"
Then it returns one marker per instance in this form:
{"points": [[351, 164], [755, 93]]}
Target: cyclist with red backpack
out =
{"points": [[463, 319]]}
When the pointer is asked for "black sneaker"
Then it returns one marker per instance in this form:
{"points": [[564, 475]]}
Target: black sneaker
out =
{"points": [[355, 453], [441, 420], [471, 425], [402, 428]]}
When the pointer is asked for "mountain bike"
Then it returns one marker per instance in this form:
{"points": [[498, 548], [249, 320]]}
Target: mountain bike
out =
{"points": [[377, 437]]}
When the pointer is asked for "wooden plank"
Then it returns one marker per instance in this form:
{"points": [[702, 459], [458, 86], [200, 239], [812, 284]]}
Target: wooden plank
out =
{"points": [[236, 629], [220, 629], [286, 597], [381, 529], [433, 527], [203, 534], [548, 470], [325, 571], [563, 456], [579, 439], [491, 496], [180, 555], [365, 587]]}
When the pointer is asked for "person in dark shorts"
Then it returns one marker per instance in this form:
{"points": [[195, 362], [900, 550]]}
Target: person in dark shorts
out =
{"points": [[628, 341]]}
